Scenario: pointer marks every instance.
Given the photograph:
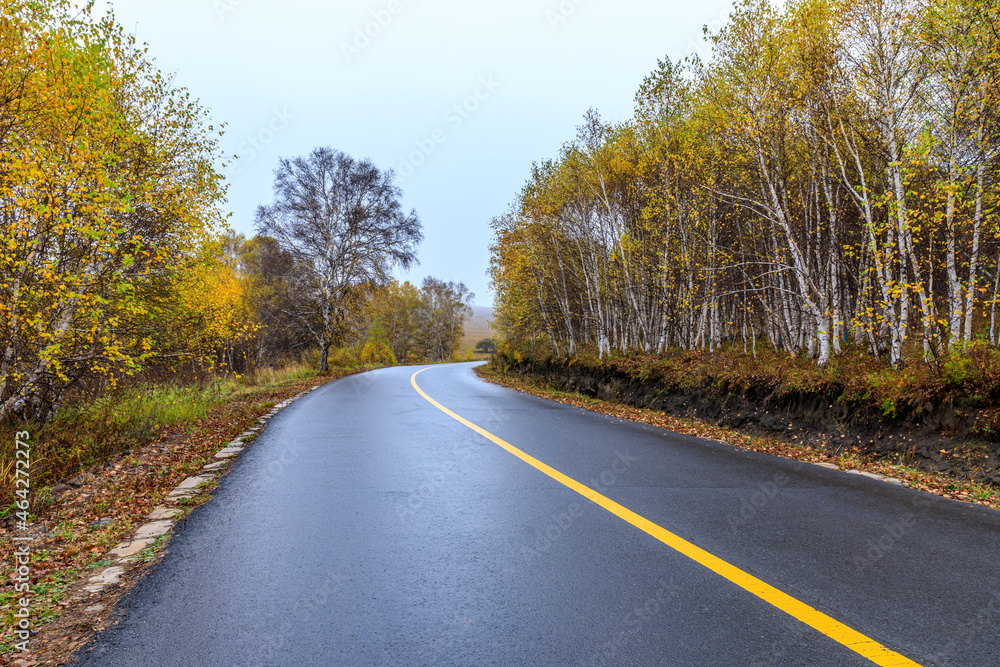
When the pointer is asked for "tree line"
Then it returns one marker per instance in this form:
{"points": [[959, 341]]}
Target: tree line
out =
{"points": [[320, 269], [826, 180], [415, 324], [115, 257]]}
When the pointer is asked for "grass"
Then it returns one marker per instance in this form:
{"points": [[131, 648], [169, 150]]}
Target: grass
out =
{"points": [[854, 378], [476, 330], [271, 377], [91, 431], [148, 554], [46, 595]]}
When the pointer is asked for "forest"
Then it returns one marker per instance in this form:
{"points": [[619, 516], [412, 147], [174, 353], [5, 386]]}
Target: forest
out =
{"points": [[118, 267], [825, 182]]}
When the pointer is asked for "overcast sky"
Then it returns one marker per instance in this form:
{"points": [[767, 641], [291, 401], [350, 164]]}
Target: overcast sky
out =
{"points": [[381, 80]]}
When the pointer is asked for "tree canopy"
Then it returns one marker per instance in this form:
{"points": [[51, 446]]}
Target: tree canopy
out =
{"points": [[342, 224], [827, 179], [107, 191]]}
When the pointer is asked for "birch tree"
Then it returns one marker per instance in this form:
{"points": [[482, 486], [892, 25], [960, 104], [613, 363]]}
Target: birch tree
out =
{"points": [[344, 224]]}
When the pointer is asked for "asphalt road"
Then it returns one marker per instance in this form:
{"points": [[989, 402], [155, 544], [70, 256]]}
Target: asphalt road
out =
{"points": [[367, 526]]}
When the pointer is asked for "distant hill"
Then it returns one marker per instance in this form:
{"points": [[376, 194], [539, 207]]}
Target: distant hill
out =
{"points": [[477, 329]]}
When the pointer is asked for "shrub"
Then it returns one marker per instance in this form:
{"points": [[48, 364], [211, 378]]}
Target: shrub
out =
{"points": [[377, 349], [343, 358]]}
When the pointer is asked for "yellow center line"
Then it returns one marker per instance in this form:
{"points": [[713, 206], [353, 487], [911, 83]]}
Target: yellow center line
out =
{"points": [[852, 639]]}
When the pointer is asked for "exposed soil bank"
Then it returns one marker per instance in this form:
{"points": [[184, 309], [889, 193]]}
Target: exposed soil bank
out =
{"points": [[935, 435]]}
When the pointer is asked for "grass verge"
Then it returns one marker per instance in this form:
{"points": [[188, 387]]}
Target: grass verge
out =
{"points": [[969, 382], [89, 432]]}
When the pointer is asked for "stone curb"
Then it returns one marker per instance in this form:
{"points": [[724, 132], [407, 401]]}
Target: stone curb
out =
{"points": [[161, 520], [863, 473]]}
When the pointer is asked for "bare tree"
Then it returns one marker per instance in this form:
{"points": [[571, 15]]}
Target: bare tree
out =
{"points": [[343, 222]]}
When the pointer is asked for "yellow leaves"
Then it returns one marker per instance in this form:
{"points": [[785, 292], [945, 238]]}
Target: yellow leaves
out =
{"points": [[108, 185], [212, 306]]}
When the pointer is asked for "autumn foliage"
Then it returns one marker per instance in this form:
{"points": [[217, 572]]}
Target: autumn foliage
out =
{"points": [[425, 324], [108, 194], [116, 264], [826, 180]]}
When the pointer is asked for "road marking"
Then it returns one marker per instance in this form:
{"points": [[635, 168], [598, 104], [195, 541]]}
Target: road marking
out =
{"points": [[832, 628]]}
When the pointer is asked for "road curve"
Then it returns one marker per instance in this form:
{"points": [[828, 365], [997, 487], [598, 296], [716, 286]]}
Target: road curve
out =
{"points": [[368, 526]]}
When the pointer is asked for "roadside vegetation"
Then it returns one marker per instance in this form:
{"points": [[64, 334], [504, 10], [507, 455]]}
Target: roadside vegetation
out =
{"points": [[90, 431], [970, 382], [825, 183]]}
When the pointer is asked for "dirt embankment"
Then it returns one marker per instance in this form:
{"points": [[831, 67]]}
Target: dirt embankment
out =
{"points": [[934, 435]]}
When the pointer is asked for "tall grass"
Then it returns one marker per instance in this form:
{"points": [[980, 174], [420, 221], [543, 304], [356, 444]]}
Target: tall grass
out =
{"points": [[90, 431], [267, 377]]}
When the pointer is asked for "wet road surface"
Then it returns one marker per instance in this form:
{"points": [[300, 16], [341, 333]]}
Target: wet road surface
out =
{"points": [[368, 526]]}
